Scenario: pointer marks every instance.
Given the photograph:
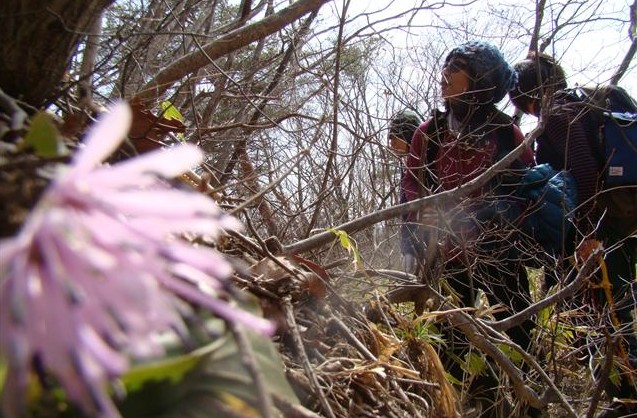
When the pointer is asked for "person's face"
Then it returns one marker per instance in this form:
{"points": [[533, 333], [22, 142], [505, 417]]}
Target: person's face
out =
{"points": [[455, 80], [398, 145]]}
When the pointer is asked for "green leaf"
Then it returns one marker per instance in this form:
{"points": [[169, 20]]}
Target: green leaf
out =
{"points": [[44, 138], [452, 379], [218, 377], [231, 376], [544, 316], [207, 381], [171, 369], [3, 373], [169, 111], [348, 244], [513, 354], [615, 376], [475, 364]]}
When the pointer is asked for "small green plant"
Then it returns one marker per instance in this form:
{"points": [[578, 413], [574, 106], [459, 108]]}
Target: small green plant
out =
{"points": [[349, 244], [169, 111], [428, 331]]}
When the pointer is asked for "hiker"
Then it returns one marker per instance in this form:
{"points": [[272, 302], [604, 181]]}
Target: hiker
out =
{"points": [[401, 130], [564, 141], [567, 143], [448, 150]]}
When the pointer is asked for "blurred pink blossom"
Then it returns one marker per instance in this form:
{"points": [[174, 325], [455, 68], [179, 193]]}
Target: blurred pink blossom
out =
{"points": [[99, 271]]}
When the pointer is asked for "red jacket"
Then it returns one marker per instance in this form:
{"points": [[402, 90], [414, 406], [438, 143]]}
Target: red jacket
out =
{"points": [[455, 162]]}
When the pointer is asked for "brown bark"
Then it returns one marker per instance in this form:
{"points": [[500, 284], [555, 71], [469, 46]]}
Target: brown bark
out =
{"points": [[37, 40]]}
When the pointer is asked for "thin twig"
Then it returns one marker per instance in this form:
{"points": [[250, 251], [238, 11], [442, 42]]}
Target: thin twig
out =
{"points": [[293, 410], [529, 359], [18, 116], [452, 195], [471, 330], [248, 359], [408, 403], [288, 311], [282, 177], [354, 340], [516, 319], [599, 388]]}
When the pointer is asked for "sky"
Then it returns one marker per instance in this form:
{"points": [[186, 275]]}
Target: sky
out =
{"points": [[589, 50], [589, 53]]}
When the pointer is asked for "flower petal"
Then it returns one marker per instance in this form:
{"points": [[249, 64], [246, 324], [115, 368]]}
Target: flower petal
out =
{"points": [[167, 163], [103, 138]]}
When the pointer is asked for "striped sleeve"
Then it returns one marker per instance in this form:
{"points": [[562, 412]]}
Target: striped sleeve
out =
{"points": [[568, 144]]}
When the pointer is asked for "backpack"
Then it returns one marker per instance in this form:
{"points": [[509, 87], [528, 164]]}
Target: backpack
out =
{"points": [[539, 200], [551, 199], [611, 120]]}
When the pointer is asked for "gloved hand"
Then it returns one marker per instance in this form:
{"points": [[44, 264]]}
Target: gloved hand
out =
{"points": [[587, 248]]}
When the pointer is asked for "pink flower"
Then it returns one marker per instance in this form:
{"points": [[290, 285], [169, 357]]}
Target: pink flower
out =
{"points": [[98, 271]]}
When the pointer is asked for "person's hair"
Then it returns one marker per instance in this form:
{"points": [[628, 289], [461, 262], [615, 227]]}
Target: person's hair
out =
{"points": [[404, 124], [538, 74]]}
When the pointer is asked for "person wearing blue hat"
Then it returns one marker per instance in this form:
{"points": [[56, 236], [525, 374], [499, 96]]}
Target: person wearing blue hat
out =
{"points": [[476, 254]]}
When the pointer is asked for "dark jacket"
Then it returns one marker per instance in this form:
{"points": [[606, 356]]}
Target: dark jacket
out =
{"points": [[565, 145]]}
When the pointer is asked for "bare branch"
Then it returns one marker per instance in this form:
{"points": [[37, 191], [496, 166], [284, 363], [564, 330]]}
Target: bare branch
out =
{"points": [[456, 194], [224, 45], [630, 54]]}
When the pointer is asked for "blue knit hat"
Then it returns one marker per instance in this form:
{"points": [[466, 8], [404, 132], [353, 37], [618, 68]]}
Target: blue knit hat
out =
{"points": [[493, 76]]}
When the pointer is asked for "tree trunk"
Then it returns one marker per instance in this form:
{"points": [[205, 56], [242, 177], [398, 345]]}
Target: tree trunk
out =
{"points": [[37, 41]]}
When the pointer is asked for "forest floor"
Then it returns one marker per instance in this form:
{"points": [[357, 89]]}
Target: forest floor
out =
{"points": [[351, 353]]}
